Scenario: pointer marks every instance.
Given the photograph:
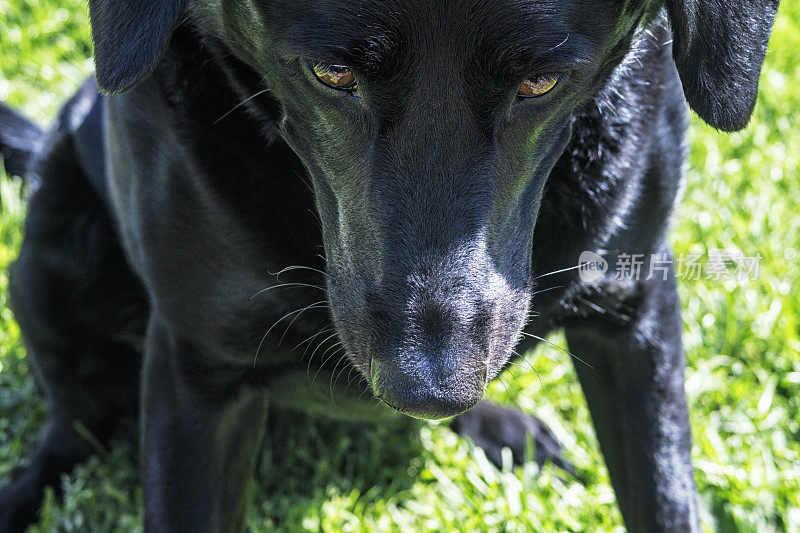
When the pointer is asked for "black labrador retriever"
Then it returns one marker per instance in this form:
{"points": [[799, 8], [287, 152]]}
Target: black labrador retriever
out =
{"points": [[411, 179]]}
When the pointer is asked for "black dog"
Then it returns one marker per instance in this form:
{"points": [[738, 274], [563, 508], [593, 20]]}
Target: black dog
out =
{"points": [[460, 155]]}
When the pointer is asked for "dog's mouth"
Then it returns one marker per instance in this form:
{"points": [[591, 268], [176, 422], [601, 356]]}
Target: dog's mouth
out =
{"points": [[426, 396]]}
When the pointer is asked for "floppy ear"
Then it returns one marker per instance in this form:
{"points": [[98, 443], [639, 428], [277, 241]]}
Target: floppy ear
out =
{"points": [[130, 36], [719, 47]]}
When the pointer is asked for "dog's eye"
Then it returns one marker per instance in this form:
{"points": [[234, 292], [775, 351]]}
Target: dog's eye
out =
{"points": [[335, 76], [537, 86]]}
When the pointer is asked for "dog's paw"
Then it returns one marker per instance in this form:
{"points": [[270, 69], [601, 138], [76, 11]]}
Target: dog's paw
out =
{"points": [[493, 427]]}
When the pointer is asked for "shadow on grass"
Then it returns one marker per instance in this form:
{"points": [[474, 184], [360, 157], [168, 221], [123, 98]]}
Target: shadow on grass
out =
{"points": [[307, 461]]}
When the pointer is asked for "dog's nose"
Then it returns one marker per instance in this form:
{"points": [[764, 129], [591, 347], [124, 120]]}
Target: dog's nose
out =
{"points": [[422, 394]]}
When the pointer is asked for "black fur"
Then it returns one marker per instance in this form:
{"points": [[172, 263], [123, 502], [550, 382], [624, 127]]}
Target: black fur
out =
{"points": [[19, 140], [719, 48], [130, 37], [448, 209]]}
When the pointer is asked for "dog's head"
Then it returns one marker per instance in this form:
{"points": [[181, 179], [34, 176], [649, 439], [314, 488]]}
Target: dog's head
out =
{"points": [[429, 129]]}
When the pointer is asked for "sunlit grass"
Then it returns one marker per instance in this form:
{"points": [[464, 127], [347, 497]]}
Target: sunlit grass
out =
{"points": [[742, 341]]}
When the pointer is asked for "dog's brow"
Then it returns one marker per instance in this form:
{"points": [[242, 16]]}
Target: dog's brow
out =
{"points": [[369, 52], [511, 60], [323, 53]]}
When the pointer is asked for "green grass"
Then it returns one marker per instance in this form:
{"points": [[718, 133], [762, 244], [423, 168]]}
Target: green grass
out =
{"points": [[742, 341]]}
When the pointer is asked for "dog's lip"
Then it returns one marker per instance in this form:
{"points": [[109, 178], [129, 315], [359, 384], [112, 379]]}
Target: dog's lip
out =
{"points": [[396, 408], [416, 417], [432, 405]]}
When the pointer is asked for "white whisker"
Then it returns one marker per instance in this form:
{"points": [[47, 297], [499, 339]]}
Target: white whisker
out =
{"points": [[530, 366], [546, 290], [562, 43], [556, 346], [312, 337], [319, 305], [311, 357], [554, 272], [288, 285], [240, 104], [297, 267]]}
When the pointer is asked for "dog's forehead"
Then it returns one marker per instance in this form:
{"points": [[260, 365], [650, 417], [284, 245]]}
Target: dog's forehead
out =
{"points": [[373, 32]]}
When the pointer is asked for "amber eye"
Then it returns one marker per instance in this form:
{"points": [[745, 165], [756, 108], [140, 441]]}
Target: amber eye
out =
{"points": [[537, 86], [335, 76]]}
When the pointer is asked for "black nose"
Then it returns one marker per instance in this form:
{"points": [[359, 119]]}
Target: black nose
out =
{"points": [[422, 394]]}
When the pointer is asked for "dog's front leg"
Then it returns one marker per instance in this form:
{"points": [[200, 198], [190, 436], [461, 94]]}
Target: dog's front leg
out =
{"points": [[634, 388], [200, 437]]}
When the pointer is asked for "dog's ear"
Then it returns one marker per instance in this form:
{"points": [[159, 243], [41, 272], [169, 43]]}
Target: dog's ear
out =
{"points": [[130, 36], [719, 47]]}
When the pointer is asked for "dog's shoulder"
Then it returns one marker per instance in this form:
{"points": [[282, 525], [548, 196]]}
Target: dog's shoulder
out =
{"points": [[615, 186]]}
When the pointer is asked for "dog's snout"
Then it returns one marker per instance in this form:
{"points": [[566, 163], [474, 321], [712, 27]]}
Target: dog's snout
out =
{"points": [[432, 361], [428, 338], [429, 333]]}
